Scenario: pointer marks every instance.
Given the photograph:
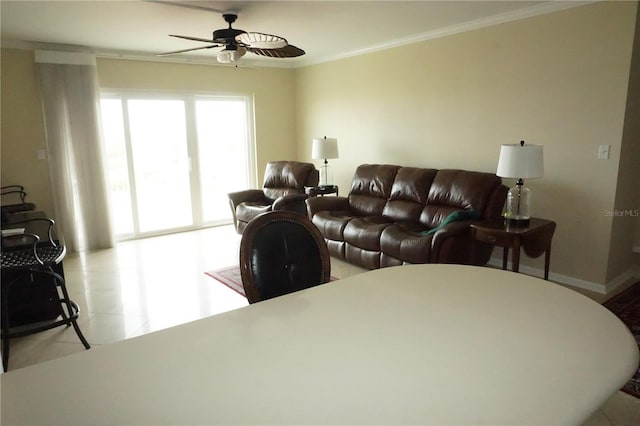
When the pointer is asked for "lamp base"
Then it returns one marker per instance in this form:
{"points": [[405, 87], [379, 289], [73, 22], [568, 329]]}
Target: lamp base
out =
{"points": [[326, 174], [518, 207]]}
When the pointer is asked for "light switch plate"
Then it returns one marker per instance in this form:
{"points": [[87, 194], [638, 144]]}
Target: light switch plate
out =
{"points": [[603, 152]]}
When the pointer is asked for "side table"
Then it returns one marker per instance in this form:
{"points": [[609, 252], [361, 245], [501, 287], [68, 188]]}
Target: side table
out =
{"points": [[314, 191], [535, 238]]}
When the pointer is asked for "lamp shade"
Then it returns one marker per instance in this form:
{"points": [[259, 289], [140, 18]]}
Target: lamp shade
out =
{"points": [[520, 161], [324, 148]]}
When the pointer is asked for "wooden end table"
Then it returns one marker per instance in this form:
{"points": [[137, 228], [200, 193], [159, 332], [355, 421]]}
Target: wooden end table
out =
{"points": [[534, 238]]}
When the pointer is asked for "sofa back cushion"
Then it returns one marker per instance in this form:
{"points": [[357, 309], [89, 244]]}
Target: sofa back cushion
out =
{"points": [[286, 177], [453, 190], [371, 188], [408, 194]]}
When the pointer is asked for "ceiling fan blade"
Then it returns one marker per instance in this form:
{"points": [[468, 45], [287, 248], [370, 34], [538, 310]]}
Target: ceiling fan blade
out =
{"points": [[262, 40], [289, 51], [204, 40], [187, 50]]}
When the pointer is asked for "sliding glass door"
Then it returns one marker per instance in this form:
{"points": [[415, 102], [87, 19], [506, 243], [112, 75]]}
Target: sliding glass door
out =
{"points": [[171, 160], [160, 160], [222, 145]]}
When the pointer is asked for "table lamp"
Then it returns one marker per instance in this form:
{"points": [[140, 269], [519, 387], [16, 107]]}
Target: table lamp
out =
{"points": [[519, 161], [324, 148]]}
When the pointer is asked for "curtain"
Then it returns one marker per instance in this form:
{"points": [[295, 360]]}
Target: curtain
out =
{"points": [[70, 101]]}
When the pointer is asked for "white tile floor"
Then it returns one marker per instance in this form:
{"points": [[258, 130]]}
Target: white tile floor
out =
{"points": [[149, 284]]}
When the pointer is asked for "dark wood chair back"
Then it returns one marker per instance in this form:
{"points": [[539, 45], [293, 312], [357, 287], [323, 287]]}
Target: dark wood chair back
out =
{"points": [[282, 252]]}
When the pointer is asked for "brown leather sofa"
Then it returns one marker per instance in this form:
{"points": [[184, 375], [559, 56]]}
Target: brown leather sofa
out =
{"points": [[395, 215], [283, 189]]}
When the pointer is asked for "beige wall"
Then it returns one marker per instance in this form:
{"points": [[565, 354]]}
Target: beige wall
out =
{"points": [[559, 80], [22, 128]]}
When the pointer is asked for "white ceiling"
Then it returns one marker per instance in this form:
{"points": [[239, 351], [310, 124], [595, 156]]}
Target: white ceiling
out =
{"points": [[326, 30]]}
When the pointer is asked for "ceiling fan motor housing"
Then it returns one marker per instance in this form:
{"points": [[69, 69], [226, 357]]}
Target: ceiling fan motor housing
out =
{"points": [[226, 36]]}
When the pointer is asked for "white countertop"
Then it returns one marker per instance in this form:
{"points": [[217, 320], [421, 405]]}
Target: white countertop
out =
{"points": [[423, 344]]}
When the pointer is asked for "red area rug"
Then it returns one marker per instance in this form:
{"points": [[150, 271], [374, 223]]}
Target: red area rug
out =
{"points": [[626, 306], [230, 277]]}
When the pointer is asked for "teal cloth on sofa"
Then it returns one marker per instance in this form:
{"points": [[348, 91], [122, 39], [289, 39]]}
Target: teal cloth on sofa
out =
{"points": [[456, 216]]}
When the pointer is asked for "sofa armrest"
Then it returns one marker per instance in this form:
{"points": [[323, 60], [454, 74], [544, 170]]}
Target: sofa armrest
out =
{"points": [[292, 202], [317, 204], [235, 198], [253, 195], [443, 235]]}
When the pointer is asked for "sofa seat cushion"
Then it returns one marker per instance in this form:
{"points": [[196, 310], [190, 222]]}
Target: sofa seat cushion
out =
{"points": [[364, 232], [250, 209], [407, 241], [369, 259], [332, 223]]}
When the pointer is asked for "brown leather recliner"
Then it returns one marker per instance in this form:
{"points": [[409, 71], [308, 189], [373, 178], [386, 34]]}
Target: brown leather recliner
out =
{"points": [[283, 189], [397, 215]]}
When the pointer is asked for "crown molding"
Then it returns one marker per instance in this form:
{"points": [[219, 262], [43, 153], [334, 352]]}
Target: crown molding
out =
{"points": [[537, 10]]}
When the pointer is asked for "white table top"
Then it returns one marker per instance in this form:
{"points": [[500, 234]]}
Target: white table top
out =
{"points": [[424, 344]]}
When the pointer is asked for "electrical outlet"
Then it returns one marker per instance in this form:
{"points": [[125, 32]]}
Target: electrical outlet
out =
{"points": [[603, 152]]}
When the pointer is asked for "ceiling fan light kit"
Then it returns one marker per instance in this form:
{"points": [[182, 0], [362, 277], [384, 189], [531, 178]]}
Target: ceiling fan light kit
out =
{"points": [[227, 55], [236, 43]]}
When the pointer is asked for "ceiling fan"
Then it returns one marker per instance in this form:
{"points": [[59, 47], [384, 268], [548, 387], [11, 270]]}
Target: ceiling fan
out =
{"points": [[236, 43]]}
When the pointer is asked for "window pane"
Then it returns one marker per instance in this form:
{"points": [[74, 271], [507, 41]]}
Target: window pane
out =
{"points": [[222, 152], [117, 172], [161, 164]]}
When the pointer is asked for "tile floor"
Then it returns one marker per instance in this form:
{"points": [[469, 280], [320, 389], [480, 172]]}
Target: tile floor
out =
{"points": [[146, 285]]}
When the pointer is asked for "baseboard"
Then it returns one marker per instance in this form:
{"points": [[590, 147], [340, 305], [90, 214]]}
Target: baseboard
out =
{"points": [[628, 277], [623, 279]]}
